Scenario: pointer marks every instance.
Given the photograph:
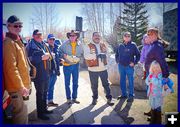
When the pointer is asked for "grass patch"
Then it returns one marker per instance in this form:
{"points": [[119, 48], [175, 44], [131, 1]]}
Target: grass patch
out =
{"points": [[170, 101]]}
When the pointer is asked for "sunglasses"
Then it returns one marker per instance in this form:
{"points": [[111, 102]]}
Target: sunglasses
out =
{"points": [[52, 39], [127, 36], [38, 35], [16, 26], [72, 35]]}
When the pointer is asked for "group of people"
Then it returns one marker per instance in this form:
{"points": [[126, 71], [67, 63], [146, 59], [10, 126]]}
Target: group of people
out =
{"points": [[46, 58]]}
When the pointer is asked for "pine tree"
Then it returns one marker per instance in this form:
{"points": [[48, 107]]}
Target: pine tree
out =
{"points": [[134, 20]]}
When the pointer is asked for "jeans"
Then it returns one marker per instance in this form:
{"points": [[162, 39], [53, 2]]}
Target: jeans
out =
{"points": [[94, 76], [52, 81], [129, 71], [41, 96], [74, 71]]}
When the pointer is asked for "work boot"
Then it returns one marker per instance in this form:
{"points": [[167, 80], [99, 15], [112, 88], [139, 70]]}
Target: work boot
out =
{"points": [[69, 101], [75, 101], [121, 97], [52, 104], [94, 102], [153, 117], [158, 117], [43, 117], [109, 102], [48, 112], [130, 99], [147, 113]]}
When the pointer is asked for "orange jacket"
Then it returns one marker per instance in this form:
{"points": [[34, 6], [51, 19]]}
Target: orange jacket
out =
{"points": [[15, 65]]}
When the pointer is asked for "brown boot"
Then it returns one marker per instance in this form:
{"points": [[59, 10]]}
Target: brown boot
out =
{"points": [[153, 117], [158, 117], [147, 113]]}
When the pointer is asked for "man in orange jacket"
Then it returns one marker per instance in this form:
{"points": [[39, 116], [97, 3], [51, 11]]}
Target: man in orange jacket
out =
{"points": [[16, 70]]}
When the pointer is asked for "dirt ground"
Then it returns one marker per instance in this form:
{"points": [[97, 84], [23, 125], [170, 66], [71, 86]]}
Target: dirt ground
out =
{"points": [[132, 113]]}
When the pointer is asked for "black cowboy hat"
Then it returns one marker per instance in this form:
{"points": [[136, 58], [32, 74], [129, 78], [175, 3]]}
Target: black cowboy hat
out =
{"points": [[73, 32]]}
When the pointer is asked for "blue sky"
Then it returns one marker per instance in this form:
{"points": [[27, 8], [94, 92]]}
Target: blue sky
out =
{"points": [[65, 11]]}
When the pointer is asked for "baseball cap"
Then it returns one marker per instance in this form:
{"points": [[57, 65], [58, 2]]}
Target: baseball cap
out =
{"points": [[126, 33], [50, 36], [36, 32], [13, 19]]}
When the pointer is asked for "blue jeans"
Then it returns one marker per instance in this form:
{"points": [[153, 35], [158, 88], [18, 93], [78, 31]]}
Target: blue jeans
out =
{"points": [[74, 71], [52, 81], [129, 71]]}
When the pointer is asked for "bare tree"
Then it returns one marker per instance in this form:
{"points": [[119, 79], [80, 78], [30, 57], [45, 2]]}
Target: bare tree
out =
{"points": [[103, 20], [111, 17], [45, 18]]}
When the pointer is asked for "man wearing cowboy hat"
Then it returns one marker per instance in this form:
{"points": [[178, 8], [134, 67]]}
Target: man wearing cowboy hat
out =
{"points": [[71, 51]]}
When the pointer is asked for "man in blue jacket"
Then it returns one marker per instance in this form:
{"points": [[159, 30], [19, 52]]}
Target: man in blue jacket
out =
{"points": [[54, 71], [127, 55], [39, 56]]}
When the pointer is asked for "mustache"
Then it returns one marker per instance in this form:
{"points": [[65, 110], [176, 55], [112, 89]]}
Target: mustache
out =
{"points": [[97, 38]]}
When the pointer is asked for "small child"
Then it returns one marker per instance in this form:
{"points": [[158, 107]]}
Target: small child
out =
{"points": [[146, 45], [156, 86]]}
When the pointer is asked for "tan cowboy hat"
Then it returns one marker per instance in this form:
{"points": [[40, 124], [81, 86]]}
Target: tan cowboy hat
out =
{"points": [[73, 33]]}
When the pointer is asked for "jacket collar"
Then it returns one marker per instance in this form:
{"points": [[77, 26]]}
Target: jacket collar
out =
{"points": [[78, 42], [96, 43], [13, 36], [127, 43]]}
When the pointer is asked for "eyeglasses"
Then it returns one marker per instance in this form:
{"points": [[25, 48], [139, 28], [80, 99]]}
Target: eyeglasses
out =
{"points": [[16, 26]]}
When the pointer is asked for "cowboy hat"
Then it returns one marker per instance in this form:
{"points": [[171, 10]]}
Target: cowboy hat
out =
{"points": [[73, 33]]}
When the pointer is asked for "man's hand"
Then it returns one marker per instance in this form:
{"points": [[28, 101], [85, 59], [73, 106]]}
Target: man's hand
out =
{"points": [[24, 91], [131, 64], [58, 73], [45, 56], [65, 56]]}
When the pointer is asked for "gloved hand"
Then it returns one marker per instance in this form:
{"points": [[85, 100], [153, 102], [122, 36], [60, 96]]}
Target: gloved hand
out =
{"points": [[58, 73], [61, 62]]}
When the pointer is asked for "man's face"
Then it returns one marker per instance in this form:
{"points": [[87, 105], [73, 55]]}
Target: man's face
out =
{"points": [[15, 28], [51, 41], [96, 38], [127, 37], [73, 37], [38, 37]]}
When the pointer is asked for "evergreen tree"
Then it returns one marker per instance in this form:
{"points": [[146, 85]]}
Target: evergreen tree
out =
{"points": [[135, 20]]}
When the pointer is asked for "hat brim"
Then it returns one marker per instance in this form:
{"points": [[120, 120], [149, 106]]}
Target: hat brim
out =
{"points": [[77, 34], [51, 38], [38, 33], [18, 22]]}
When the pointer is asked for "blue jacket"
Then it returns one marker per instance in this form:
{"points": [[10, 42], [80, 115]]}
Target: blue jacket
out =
{"points": [[35, 53], [56, 62], [156, 52], [127, 53]]}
